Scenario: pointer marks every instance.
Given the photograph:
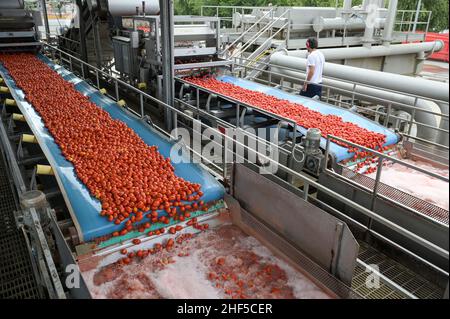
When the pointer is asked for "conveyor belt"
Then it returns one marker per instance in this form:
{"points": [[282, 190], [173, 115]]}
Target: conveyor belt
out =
{"points": [[340, 153], [85, 209], [17, 279]]}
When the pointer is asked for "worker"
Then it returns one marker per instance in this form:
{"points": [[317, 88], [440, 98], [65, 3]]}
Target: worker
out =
{"points": [[314, 69]]}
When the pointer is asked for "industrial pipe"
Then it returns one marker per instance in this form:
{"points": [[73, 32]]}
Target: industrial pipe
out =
{"points": [[390, 81], [381, 96], [325, 24], [374, 51], [370, 27]]}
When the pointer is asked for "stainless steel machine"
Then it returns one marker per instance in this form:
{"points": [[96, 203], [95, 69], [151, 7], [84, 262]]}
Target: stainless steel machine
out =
{"points": [[18, 26], [138, 51], [326, 200]]}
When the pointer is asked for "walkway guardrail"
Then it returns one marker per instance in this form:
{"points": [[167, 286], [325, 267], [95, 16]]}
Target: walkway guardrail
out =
{"points": [[352, 96]]}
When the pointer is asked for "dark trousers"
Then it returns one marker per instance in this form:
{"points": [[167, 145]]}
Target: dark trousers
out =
{"points": [[312, 90]]}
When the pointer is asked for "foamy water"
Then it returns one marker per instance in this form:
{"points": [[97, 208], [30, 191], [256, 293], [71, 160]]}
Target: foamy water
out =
{"points": [[218, 263], [417, 184]]}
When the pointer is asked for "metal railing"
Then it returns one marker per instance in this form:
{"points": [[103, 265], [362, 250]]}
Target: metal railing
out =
{"points": [[381, 158], [267, 28], [232, 10], [353, 96], [229, 143], [247, 31], [407, 20], [240, 104]]}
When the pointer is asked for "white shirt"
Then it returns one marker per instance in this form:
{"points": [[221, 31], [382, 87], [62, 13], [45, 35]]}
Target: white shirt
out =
{"points": [[317, 59]]}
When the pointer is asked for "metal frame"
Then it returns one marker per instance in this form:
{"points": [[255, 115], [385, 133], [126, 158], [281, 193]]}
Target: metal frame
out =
{"points": [[381, 158], [271, 74], [307, 181], [345, 40], [30, 218]]}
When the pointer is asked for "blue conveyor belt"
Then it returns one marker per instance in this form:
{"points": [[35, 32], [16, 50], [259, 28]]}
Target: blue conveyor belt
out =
{"points": [[340, 153], [84, 208]]}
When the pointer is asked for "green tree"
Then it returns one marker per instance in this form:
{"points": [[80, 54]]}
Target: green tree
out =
{"points": [[439, 15]]}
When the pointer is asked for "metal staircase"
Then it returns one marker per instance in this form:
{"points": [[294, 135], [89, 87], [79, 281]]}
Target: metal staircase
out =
{"points": [[265, 41]]}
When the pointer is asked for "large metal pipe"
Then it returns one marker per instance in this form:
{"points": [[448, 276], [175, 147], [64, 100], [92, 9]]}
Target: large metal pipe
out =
{"points": [[44, 13], [390, 22], [167, 50], [381, 96], [374, 51], [408, 85], [326, 24]]}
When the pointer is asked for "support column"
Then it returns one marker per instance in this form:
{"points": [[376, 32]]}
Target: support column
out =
{"points": [[44, 13], [390, 22], [167, 48], [416, 19]]}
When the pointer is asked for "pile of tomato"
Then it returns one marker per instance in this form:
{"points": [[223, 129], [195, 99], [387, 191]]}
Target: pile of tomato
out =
{"points": [[303, 116], [131, 179]]}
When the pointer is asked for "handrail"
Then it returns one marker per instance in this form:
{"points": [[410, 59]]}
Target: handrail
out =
{"points": [[259, 57], [268, 40], [381, 157], [259, 33], [246, 31], [352, 93], [350, 82]]}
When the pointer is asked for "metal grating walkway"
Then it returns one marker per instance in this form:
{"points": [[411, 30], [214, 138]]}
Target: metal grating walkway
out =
{"points": [[416, 204], [399, 274], [17, 279]]}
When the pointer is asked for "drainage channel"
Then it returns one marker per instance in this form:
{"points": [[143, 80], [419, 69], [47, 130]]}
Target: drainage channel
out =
{"points": [[17, 280]]}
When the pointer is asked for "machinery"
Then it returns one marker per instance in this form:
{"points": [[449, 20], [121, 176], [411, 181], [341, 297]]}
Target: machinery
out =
{"points": [[359, 220], [18, 26], [138, 52], [71, 231]]}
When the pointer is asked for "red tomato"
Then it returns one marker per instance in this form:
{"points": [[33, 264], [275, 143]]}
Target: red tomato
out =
{"points": [[126, 175]]}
